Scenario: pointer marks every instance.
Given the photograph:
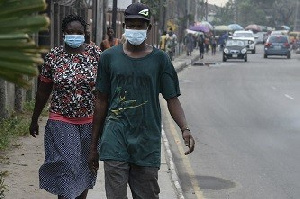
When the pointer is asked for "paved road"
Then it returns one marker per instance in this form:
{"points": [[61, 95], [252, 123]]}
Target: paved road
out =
{"points": [[245, 118]]}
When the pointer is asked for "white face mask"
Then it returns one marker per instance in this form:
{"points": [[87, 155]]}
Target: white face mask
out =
{"points": [[135, 37]]}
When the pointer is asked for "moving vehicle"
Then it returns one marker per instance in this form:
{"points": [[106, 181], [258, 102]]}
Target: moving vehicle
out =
{"points": [[246, 35], [261, 37], [235, 49], [279, 32], [277, 45]]}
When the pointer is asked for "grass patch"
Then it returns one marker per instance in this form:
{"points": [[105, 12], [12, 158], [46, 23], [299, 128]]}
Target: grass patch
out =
{"points": [[16, 125], [12, 127]]}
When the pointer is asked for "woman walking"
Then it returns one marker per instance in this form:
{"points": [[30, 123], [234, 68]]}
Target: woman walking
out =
{"points": [[69, 74]]}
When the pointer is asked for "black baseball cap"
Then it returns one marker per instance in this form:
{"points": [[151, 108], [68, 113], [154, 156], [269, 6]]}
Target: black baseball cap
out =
{"points": [[137, 11]]}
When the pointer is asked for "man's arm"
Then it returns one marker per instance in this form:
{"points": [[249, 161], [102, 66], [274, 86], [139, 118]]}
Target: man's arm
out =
{"points": [[100, 112], [178, 116]]}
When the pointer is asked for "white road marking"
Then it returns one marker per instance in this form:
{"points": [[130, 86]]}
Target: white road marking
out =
{"points": [[289, 97], [186, 162]]}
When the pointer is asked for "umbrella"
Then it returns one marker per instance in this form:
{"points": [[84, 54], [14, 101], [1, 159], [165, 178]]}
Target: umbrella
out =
{"points": [[235, 27], [193, 32], [199, 28], [222, 28], [204, 23], [253, 27]]}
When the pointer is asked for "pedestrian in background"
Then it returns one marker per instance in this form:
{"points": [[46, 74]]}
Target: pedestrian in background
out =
{"points": [[201, 46], [162, 41], [69, 74], [171, 44], [110, 41], [189, 44], [127, 119], [123, 39], [213, 44], [206, 44]]}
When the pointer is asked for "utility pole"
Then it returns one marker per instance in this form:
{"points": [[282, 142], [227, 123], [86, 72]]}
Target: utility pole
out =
{"points": [[114, 15], [188, 12], [206, 10], [99, 20], [161, 16], [235, 11], [297, 17]]}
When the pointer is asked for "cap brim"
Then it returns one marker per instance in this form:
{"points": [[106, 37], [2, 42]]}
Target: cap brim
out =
{"points": [[136, 17]]}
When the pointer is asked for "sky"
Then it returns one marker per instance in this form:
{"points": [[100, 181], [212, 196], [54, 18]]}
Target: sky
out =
{"points": [[218, 2]]}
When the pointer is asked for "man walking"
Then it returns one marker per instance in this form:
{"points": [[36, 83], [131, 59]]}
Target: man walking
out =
{"points": [[127, 119]]}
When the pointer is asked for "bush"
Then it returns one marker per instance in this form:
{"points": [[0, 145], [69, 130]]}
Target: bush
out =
{"points": [[16, 125]]}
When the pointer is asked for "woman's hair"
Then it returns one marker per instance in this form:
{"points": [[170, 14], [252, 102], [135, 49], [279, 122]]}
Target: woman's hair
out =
{"points": [[108, 28], [70, 18]]}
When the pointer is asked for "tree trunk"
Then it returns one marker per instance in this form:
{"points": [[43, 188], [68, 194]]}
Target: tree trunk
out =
{"points": [[19, 99]]}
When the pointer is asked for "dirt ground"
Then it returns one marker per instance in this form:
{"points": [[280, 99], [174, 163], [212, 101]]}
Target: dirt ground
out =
{"points": [[22, 162]]}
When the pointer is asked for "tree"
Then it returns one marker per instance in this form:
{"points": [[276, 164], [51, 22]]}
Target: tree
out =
{"points": [[261, 12], [284, 11], [154, 5], [19, 55], [225, 15]]}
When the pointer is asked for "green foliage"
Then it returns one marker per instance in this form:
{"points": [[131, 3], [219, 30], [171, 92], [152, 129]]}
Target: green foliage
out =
{"points": [[12, 127], [154, 6], [19, 55], [261, 12], [16, 125], [3, 187]]}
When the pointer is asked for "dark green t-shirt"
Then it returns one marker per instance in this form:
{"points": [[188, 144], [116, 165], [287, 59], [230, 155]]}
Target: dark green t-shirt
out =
{"points": [[132, 130]]}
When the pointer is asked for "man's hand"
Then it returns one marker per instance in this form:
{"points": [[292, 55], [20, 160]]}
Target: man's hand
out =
{"points": [[188, 141], [34, 129], [93, 161]]}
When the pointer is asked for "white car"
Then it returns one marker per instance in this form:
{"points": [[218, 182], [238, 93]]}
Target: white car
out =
{"points": [[246, 35]]}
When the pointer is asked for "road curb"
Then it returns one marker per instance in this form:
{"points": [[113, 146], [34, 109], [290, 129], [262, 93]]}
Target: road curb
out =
{"points": [[168, 153], [185, 63], [169, 159]]}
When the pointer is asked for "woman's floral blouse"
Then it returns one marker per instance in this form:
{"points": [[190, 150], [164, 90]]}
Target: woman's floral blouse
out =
{"points": [[73, 77]]}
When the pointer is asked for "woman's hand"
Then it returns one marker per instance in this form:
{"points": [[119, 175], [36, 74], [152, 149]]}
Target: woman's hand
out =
{"points": [[34, 129], [93, 161]]}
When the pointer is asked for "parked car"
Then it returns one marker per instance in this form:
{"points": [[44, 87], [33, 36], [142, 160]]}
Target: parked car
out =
{"points": [[277, 45], [235, 49], [261, 37], [248, 36]]}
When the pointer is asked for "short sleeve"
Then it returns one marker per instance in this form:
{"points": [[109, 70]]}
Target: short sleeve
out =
{"points": [[103, 75], [46, 72], [169, 80]]}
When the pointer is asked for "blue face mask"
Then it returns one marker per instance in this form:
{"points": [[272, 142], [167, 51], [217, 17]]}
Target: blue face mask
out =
{"points": [[135, 37], [74, 41]]}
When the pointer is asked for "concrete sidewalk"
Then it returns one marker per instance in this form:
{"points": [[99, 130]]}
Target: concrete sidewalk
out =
{"points": [[167, 176]]}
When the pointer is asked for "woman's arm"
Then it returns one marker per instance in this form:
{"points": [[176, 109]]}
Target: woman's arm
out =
{"points": [[42, 95]]}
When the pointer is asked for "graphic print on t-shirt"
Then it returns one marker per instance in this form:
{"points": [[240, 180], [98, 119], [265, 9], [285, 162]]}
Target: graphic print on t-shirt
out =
{"points": [[123, 104]]}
